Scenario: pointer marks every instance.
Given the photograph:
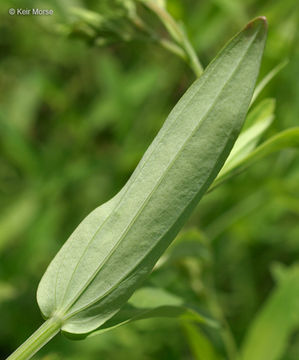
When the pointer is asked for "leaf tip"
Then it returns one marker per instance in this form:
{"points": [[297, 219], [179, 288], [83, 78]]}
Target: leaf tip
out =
{"points": [[260, 20], [263, 20]]}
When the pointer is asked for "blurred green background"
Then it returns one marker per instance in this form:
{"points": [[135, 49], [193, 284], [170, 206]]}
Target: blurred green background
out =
{"points": [[74, 121]]}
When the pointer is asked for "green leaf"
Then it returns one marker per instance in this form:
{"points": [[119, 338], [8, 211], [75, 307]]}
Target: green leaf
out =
{"points": [[15, 219], [269, 332], [116, 246], [257, 122], [189, 243], [149, 302], [160, 3], [285, 139], [112, 23], [18, 148], [7, 292], [265, 81], [200, 345]]}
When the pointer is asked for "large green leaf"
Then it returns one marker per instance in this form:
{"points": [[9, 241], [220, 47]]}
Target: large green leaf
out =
{"points": [[269, 332], [116, 246]]}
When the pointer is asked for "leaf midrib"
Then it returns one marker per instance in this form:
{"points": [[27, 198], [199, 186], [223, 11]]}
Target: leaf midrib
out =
{"points": [[91, 278], [117, 205]]}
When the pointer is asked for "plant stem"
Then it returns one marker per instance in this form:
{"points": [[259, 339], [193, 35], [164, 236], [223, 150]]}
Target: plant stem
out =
{"points": [[226, 334], [172, 47], [37, 340], [211, 293], [178, 35], [165, 43], [193, 60]]}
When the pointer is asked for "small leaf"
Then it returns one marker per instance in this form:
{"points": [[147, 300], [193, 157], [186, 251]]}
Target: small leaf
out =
{"points": [[112, 23], [285, 139], [201, 346], [269, 332], [257, 122], [265, 81], [91, 18], [116, 246], [189, 243]]}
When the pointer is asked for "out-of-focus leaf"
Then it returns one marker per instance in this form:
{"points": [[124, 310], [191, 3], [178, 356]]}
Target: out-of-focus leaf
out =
{"points": [[285, 139], [27, 96], [268, 335], [149, 302], [91, 18], [113, 22], [259, 114], [18, 148], [200, 345], [265, 81], [161, 3], [13, 221], [7, 291], [279, 272], [257, 122], [51, 356], [234, 9], [116, 246], [190, 243]]}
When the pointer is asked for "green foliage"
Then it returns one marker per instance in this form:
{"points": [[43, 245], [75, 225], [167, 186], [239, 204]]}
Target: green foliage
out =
{"points": [[116, 246], [242, 158], [270, 330], [149, 302], [76, 119], [201, 347]]}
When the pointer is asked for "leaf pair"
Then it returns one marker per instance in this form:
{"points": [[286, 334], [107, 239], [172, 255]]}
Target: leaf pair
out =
{"points": [[112, 251]]}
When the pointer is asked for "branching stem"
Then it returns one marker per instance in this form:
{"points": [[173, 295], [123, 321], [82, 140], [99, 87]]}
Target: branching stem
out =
{"points": [[178, 35]]}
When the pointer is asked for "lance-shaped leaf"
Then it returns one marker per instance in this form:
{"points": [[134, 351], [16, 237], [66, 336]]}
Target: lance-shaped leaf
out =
{"points": [[116, 246]]}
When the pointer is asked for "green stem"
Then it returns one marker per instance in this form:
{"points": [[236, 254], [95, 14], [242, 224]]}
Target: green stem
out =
{"points": [[194, 62], [172, 47], [37, 340], [178, 36], [226, 334], [165, 43], [211, 293]]}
